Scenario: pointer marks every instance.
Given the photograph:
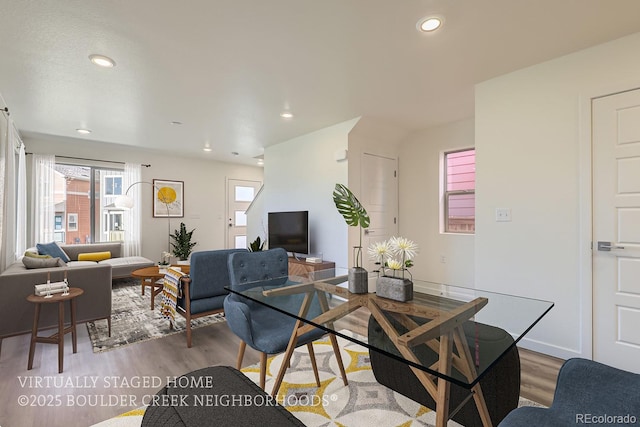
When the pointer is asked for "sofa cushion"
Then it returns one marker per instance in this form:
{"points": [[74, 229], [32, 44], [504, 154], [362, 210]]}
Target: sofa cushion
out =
{"points": [[31, 262], [94, 256], [52, 249], [123, 267], [80, 263], [36, 255]]}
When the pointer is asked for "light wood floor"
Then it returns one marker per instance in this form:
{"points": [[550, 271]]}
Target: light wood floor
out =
{"points": [[80, 402]]}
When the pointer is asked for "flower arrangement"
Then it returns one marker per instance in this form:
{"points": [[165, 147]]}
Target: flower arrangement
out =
{"points": [[166, 256], [395, 254]]}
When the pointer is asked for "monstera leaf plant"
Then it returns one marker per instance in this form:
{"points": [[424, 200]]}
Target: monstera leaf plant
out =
{"points": [[355, 215]]}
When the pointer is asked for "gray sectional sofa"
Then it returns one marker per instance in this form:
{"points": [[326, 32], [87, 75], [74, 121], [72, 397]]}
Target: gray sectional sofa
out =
{"points": [[16, 282]]}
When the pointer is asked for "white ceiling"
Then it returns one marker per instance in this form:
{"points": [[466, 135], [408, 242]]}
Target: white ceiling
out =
{"points": [[227, 69]]}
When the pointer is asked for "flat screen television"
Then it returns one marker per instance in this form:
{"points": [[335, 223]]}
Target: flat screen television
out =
{"points": [[289, 231]]}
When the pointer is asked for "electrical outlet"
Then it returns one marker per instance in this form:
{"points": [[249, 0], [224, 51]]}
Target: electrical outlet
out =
{"points": [[443, 259], [503, 215]]}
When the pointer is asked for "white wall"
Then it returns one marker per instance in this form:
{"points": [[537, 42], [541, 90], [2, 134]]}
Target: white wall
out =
{"points": [[300, 174], [420, 177], [529, 147], [205, 188]]}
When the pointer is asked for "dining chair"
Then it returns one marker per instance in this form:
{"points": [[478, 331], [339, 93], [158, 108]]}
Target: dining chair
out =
{"points": [[263, 328]]}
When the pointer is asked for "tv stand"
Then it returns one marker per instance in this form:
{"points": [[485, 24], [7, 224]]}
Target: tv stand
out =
{"points": [[300, 267]]}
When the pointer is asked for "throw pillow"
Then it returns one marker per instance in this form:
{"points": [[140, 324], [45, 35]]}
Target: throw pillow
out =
{"points": [[52, 249], [35, 255], [94, 256], [31, 263]]}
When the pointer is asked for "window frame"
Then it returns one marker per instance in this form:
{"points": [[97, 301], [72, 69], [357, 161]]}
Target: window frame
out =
{"points": [[446, 194], [69, 222]]}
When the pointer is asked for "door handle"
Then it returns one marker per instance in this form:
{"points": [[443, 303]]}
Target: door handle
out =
{"points": [[607, 246]]}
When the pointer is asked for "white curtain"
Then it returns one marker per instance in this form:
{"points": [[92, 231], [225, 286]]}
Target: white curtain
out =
{"points": [[43, 197], [131, 220], [10, 147], [21, 208]]}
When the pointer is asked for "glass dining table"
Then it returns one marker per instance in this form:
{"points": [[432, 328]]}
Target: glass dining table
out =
{"points": [[436, 319]]}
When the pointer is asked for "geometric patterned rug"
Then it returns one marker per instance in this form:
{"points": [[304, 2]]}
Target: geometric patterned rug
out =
{"points": [[133, 321], [363, 403]]}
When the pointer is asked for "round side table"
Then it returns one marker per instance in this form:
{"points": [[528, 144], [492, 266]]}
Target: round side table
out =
{"points": [[58, 337]]}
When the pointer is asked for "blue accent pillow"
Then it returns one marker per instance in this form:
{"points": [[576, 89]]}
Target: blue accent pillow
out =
{"points": [[53, 250]]}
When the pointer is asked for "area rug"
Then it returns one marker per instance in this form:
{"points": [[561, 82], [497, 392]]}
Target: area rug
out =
{"points": [[363, 403], [133, 321]]}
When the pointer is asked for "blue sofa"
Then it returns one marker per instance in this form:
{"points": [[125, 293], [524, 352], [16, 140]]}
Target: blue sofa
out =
{"points": [[587, 392], [203, 291]]}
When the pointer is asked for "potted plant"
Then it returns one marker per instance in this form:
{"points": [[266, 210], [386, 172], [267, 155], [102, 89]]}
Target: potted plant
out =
{"points": [[355, 215], [182, 245], [257, 245], [395, 257]]}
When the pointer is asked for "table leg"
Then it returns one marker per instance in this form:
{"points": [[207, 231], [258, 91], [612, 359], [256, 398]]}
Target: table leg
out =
{"points": [[444, 386], [142, 285], [60, 336], [287, 358], [74, 337], [34, 334]]}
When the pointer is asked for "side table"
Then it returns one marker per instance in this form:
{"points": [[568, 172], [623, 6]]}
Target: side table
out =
{"points": [[149, 276], [58, 337]]}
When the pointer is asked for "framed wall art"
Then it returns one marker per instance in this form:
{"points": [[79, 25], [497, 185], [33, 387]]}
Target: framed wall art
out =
{"points": [[168, 199]]}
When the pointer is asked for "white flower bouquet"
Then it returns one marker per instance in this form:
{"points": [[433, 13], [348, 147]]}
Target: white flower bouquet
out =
{"points": [[395, 254]]}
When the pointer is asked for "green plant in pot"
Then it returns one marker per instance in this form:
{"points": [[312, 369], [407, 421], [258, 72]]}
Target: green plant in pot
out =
{"points": [[181, 242], [355, 215], [257, 245]]}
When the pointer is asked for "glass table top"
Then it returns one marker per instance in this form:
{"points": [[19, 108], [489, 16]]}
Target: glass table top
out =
{"points": [[412, 332]]}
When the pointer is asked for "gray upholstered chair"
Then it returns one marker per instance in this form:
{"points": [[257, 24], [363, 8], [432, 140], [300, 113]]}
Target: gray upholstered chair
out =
{"points": [[263, 328], [500, 384], [587, 392], [203, 292]]}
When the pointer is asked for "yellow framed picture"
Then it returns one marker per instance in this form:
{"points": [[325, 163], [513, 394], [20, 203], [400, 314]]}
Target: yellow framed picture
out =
{"points": [[168, 199]]}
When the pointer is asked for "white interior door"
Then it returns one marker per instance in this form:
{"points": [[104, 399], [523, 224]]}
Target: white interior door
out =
{"points": [[240, 194], [379, 196], [616, 230]]}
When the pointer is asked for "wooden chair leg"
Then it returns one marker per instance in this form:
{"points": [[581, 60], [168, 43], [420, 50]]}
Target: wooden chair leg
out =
{"points": [[243, 346], [313, 363], [336, 350], [109, 324], [188, 330], [263, 369]]}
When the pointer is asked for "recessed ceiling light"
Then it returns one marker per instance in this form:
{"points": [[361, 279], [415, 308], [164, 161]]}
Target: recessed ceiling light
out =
{"points": [[260, 162], [207, 148], [102, 61], [429, 24], [83, 131], [175, 122], [286, 115]]}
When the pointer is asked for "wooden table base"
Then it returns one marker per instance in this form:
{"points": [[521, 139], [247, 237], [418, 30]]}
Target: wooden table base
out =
{"points": [[443, 334]]}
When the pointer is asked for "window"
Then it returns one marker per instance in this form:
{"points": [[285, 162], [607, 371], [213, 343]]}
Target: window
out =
{"points": [[85, 196], [112, 185], [460, 191], [72, 222]]}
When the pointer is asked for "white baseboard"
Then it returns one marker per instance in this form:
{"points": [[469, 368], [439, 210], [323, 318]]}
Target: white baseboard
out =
{"points": [[549, 349]]}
